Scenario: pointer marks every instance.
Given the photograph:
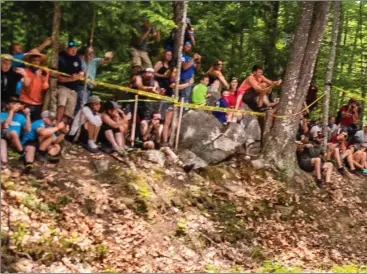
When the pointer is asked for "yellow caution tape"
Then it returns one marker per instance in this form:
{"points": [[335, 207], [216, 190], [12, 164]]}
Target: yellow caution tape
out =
{"points": [[166, 98]]}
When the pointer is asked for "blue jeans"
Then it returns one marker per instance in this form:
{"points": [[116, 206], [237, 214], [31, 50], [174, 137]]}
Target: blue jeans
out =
{"points": [[80, 99], [186, 92]]}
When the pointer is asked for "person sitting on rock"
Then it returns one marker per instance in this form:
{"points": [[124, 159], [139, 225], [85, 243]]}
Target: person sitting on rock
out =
{"points": [[216, 78], [16, 119], [113, 129], [200, 91], [152, 135], [42, 137], [309, 156], [338, 149], [89, 121], [251, 92]]}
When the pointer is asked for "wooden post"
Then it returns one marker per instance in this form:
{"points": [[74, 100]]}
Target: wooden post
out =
{"points": [[133, 128], [179, 39], [179, 123]]}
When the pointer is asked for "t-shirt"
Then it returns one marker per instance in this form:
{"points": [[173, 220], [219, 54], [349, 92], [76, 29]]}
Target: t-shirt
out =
{"points": [[70, 65], [16, 64], [188, 73], [199, 92], [231, 100], [9, 82], [348, 119], [221, 116], [16, 124], [334, 140], [245, 86], [34, 93], [82, 116], [32, 135], [137, 33], [92, 69]]}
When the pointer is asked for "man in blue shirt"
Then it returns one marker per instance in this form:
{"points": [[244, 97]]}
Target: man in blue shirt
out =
{"points": [[71, 64], [42, 137], [17, 51], [188, 68], [13, 122], [90, 64]]}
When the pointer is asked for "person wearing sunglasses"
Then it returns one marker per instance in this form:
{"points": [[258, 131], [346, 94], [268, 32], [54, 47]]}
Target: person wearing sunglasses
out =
{"points": [[216, 78], [338, 149]]}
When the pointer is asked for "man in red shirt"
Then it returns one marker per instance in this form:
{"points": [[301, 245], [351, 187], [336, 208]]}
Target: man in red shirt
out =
{"points": [[252, 92], [349, 114], [338, 149]]}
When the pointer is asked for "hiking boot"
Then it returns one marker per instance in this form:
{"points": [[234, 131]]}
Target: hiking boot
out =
{"points": [[354, 171], [341, 170], [365, 171], [41, 158], [53, 159], [319, 183], [31, 170]]}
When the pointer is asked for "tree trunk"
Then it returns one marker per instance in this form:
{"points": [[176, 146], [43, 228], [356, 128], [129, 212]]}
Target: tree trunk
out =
{"points": [[330, 69], [180, 11], [51, 95], [279, 150], [363, 70]]}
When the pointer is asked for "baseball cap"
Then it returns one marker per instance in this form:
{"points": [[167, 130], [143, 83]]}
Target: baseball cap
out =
{"points": [[48, 114], [72, 44], [111, 105], [94, 99], [149, 70], [187, 43]]}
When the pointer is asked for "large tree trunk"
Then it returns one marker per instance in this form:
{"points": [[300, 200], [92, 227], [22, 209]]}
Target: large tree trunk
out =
{"points": [[363, 70], [51, 95], [330, 69], [279, 150], [180, 11]]}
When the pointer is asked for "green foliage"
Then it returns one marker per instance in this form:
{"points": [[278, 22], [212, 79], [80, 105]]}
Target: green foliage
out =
{"points": [[277, 267], [351, 268], [209, 268]]}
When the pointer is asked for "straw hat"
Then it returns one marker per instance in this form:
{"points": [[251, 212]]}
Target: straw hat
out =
{"points": [[35, 52]]}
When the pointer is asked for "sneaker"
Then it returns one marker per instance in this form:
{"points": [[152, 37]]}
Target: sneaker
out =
{"points": [[354, 171], [121, 152], [341, 170], [31, 170], [41, 158], [92, 149], [319, 183], [365, 171], [128, 149], [53, 159]]}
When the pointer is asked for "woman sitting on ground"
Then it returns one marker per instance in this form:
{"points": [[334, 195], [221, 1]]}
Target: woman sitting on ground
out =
{"points": [[216, 78], [309, 156], [114, 128], [89, 121], [360, 158]]}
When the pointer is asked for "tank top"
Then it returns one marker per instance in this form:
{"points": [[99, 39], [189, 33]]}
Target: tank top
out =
{"points": [[245, 86]]}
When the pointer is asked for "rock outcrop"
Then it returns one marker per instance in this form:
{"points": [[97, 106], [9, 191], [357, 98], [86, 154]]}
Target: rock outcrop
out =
{"points": [[212, 142]]}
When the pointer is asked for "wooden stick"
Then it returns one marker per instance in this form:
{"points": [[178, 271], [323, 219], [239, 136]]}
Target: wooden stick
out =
{"points": [[179, 123], [133, 128]]}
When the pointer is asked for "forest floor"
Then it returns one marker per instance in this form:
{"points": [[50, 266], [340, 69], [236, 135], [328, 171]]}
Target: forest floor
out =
{"points": [[225, 218]]}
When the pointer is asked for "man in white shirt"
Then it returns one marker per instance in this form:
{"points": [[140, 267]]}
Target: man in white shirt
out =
{"points": [[361, 135], [89, 121]]}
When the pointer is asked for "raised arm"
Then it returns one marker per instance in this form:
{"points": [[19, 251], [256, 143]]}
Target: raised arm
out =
{"points": [[44, 44], [107, 59], [46, 132]]}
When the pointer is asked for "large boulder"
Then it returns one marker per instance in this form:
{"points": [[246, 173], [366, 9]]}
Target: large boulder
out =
{"points": [[212, 142]]}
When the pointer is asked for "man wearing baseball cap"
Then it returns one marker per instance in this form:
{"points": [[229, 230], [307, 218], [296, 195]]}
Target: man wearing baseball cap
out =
{"points": [[42, 137], [71, 64]]}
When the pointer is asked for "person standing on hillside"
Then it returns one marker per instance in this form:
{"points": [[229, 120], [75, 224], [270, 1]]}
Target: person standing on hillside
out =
{"points": [[90, 64], [189, 66], [67, 88], [139, 45]]}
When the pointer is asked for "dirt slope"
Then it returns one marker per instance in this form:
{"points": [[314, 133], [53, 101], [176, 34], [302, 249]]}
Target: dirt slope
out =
{"points": [[226, 218]]}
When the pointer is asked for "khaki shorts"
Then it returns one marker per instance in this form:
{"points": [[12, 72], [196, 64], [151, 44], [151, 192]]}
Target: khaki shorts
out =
{"points": [[140, 59], [67, 98]]}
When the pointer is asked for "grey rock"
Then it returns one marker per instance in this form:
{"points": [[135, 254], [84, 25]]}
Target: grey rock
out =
{"points": [[189, 158], [210, 141], [258, 164]]}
